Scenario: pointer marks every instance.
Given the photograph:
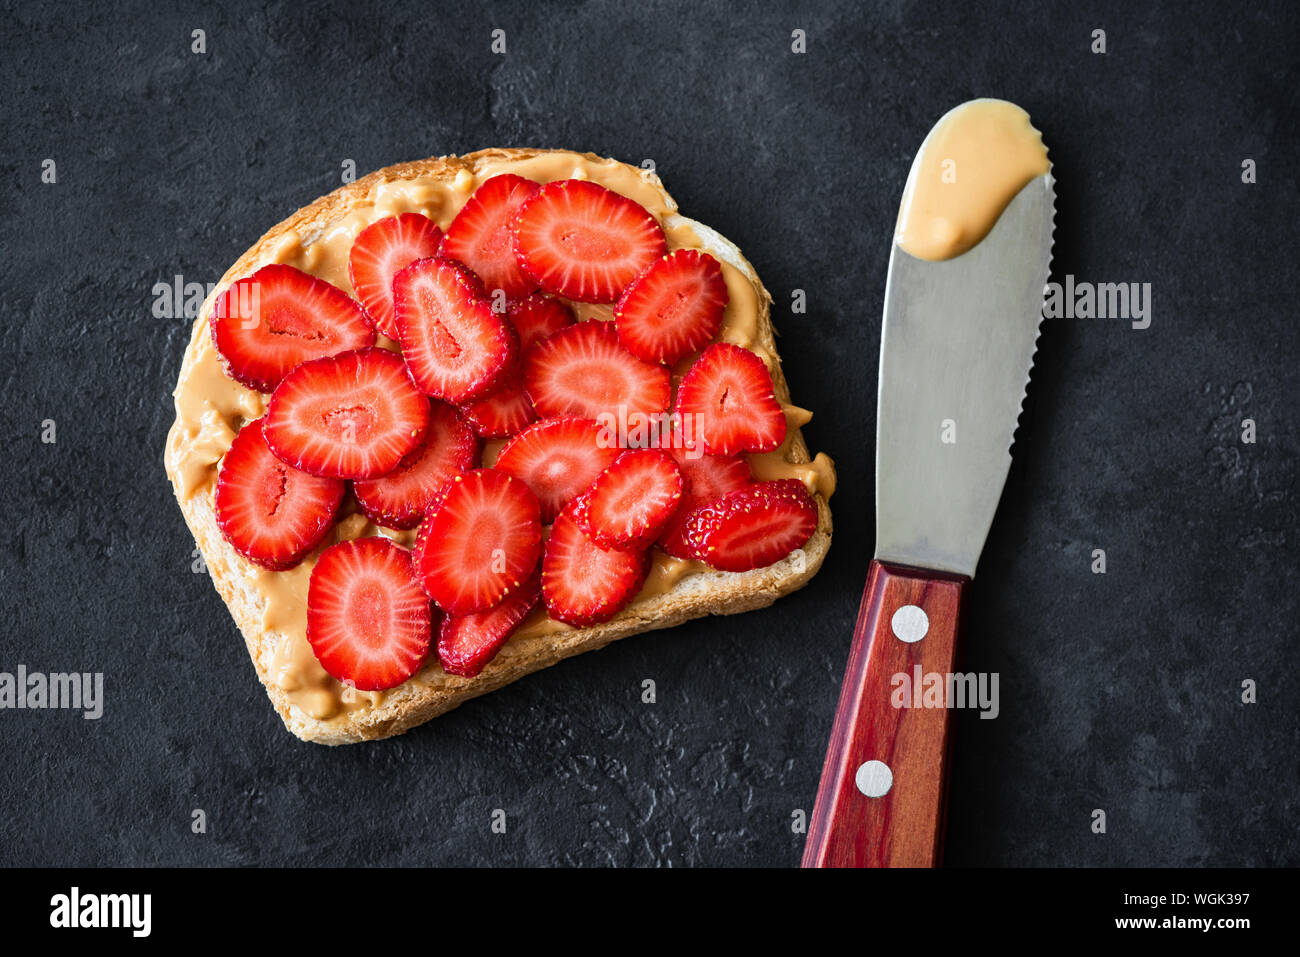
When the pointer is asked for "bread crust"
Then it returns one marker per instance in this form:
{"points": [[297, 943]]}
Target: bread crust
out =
{"points": [[433, 692]]}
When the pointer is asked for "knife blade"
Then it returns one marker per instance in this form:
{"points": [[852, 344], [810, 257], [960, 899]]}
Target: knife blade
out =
{"points": [[957, 348], [955, 355]]}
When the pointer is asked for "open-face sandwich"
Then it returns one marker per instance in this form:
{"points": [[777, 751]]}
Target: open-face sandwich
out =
{"points": [[469, 416]]}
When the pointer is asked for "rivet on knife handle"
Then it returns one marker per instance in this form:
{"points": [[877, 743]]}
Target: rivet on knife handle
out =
{"points": [[881, 800]]}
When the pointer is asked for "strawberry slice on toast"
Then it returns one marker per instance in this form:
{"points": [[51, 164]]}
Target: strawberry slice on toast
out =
{"points": [[368, 621], [466, 643], [480, 543], [355, 415], [753, 526], [584, 370], [557, 459], [400, 498], [584, 242], [631, 501], [380, 252], [480, 237], [673, 308], [537, 317], [456, 347], [584, 583], [267, 324], [729, 396], [706, 479], [271, 513], [506, 412]]}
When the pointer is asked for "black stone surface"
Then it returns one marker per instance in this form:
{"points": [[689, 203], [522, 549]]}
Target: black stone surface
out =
{"points": [[1119, 691]]}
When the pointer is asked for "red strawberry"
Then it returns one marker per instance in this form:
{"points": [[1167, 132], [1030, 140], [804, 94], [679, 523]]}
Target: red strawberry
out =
{"points": [[272, 514], [752, 527], [480, 544], [468, 642], [582, 241], [728, 395], [584, 370], [379, 253], [274, 320], [558, 459], [368, 622], [710, 476], [707, 478], [507, 411], [400, 498], [673, 308], [537, 317], [480, 238], [456, 346], [354, 415], [632, 500], [584, 583]]}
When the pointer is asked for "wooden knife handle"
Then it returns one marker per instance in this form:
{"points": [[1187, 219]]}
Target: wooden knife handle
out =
{"points": [[881, 802]]}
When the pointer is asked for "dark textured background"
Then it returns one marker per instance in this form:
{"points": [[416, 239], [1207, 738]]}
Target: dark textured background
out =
{"points": [[1119, 691]]}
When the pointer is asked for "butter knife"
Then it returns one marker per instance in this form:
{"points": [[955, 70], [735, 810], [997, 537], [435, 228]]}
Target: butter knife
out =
{"points": [[957, 346]]}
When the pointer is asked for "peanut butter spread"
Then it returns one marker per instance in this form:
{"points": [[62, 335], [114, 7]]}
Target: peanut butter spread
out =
{"points": [[975, 160], [211, 407]]}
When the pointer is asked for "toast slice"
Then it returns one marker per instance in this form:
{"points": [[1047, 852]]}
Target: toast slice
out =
{"points": [[269, 607]]}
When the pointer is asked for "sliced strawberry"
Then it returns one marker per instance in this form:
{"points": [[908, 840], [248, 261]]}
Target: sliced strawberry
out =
{"points": [[584, 370], [558, 459], [732, 407], [507, 411], [537, 317], [399, 499], [632, 500], [752, 527], [274, 320], [707, 478], [584, 242], [584, 583], [380, 252], [480, 544], [480, 237], [710, 476], [354, 415], [368, 622], [456, 346], [673, 308], [272, 514], [467, 643]]}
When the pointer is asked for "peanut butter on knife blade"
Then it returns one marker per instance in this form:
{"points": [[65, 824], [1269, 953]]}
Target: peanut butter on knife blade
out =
{"points": [[973, 163]]}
